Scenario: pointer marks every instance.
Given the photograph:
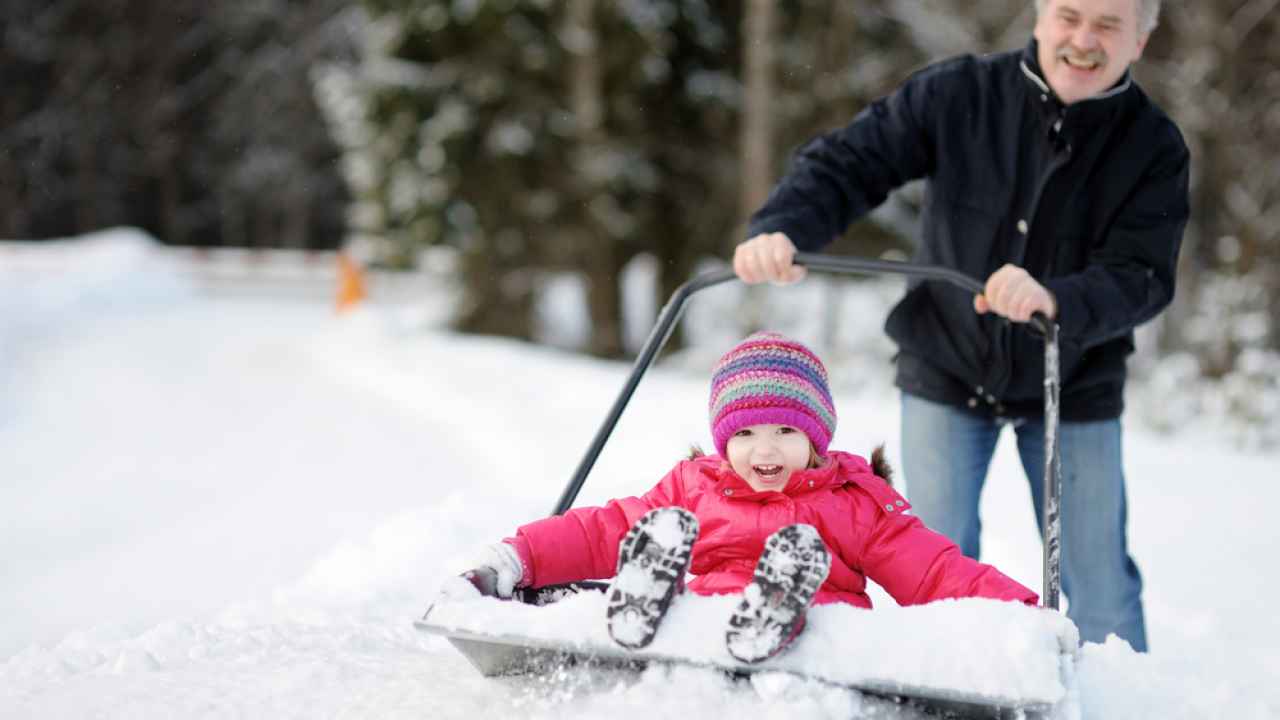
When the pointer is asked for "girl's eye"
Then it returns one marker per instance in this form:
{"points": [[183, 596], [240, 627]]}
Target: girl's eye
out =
{"points": [[742, 433], [784, 430]]}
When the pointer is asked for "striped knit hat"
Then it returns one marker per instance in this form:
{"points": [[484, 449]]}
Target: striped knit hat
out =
{"points": [[771, 379]]}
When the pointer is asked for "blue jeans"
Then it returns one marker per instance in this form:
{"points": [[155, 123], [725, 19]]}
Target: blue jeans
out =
{"points": [[945, 455]]}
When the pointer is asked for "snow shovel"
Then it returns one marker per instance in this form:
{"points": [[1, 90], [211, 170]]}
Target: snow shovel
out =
{"points": [[494, 651]]}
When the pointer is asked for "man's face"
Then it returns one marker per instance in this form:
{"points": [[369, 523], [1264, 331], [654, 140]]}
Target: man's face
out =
{"points": [[1086, 45]]}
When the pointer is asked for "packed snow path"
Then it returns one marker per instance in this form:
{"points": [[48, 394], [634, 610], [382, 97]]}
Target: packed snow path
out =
{"points": [[234, 505]]}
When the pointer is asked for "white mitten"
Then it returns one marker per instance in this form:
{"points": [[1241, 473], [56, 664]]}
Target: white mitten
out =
{"points": [[496, 570]]}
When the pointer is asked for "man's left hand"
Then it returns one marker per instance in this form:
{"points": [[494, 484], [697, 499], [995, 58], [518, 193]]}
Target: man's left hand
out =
{"points": [[1011, 292]]}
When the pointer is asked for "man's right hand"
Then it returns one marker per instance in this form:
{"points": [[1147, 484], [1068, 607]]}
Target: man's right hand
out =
{"points": [[768, 257]]}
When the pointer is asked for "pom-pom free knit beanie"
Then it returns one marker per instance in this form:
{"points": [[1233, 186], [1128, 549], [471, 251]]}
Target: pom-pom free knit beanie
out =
{"points": [[771, 379]]}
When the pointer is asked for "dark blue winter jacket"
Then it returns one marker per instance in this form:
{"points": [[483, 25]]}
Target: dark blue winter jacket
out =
{"points": [[1090, 198]]}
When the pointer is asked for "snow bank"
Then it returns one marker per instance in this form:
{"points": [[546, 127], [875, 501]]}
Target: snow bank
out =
{"points": [[1004, 652], [111, 270]]}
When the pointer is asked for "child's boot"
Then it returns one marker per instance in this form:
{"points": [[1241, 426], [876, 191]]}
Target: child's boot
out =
{"points": [[794, 564], [652, 559]]}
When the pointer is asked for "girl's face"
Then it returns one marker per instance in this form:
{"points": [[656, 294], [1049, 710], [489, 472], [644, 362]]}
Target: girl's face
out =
{"points": [[766, 455]]}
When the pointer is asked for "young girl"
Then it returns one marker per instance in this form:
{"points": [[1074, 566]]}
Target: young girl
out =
{"points": [[775, 515]]}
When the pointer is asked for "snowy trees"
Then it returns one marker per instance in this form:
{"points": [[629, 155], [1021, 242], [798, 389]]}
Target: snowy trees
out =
{"points": [[538, 137], [1215, 66], [542, 137], [533, 137], [194, 121]]}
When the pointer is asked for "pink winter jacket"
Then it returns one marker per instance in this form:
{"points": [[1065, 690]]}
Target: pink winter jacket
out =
{"points": [[861, 518]]}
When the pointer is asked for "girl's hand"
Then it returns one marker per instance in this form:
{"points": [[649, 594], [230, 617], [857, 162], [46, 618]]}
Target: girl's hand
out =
{"points": [[495, 571]]}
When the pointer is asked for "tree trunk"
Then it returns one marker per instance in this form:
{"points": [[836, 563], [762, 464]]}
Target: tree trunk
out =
{"points": [[602, 253], [605, 299], [497, 299], [86, 177], [13, 221], [758, 61], [297, 221], [676, 259], [757, 134]]}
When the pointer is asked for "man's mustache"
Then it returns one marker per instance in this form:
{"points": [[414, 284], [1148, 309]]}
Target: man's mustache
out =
{"points": [[1066, 52]]}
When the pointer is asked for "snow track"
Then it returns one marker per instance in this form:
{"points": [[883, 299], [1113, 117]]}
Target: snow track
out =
{"points": [[234, 506]]}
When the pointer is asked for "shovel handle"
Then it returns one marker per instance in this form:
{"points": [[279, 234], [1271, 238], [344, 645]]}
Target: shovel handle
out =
{"points": [[852, 266], [866, 266]]}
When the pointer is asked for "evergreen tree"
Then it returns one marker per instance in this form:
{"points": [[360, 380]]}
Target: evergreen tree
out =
{"points": [[194, 122], [538, 136]]}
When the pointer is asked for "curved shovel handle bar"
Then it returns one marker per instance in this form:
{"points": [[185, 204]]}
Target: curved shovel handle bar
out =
{"points": [[864, 266], [850, 266]]}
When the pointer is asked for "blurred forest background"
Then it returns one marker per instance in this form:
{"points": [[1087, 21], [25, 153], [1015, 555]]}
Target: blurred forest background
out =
{"points": [[533, 138]]}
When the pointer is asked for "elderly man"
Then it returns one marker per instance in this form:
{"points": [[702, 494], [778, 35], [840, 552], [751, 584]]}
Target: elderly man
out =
{"points": [[1052, 175]]}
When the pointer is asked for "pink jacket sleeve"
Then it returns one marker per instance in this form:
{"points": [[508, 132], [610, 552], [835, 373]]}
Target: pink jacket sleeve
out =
{"points": [[917, 565], [583, 543]]}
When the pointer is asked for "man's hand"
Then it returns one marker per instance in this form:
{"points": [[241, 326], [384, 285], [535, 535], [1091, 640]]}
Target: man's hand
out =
{"points": [[768, 257], [1011, 292]]}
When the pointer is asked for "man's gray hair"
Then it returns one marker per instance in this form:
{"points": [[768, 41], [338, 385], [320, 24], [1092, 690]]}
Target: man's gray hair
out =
{"points": [[1148, 14]]}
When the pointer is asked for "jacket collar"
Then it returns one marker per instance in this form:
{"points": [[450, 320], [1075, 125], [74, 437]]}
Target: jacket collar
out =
{"points": [[1089, 112], [731, 484]]}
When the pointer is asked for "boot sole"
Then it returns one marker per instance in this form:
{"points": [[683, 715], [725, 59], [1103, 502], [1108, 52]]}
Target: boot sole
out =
{"points": [[794, 564], [652, 559]]}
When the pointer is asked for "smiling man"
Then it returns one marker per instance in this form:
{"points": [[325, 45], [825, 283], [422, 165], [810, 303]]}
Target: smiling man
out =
{"points": [[1085, 47], [1051, 175]]}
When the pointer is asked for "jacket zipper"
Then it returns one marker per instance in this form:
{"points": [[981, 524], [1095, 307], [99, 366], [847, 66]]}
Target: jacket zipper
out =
{"points": [[1060, 159]]}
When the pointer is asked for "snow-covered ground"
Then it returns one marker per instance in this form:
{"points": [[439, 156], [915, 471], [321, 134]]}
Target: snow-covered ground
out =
{"points": [[233, 502]]}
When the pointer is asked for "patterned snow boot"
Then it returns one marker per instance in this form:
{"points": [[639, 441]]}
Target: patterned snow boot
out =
{"points": [[794, 564], [652, 559]]}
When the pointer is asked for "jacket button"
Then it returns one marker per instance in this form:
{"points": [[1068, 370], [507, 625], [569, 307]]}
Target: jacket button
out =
{"points": [[900, 503], [810, 483], [1044, 97], [1022, 226], [888, 506], [973, 402], [728, 491]]}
